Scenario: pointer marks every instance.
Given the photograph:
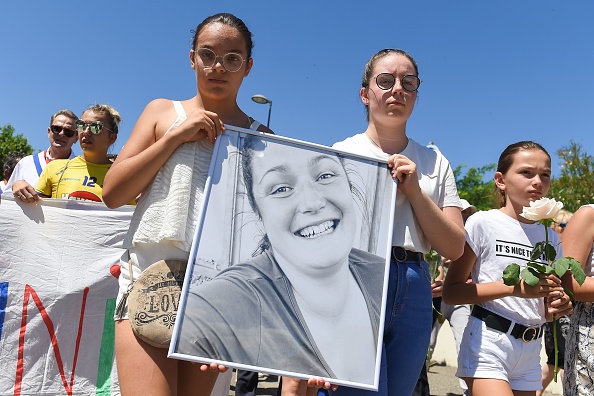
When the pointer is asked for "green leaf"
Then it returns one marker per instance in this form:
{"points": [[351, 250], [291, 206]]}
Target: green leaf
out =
{"points": [[561, 266], [538, 267], [511, 275], [548, 270], [550, 252], [576, 270], [537, 251], [530, 276]]}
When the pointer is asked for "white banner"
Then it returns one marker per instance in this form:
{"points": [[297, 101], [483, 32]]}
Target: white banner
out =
{"points": [[58, 284]]}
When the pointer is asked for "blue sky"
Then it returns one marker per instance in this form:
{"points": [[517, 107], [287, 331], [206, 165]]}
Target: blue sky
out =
{"points": [[494, 72]]}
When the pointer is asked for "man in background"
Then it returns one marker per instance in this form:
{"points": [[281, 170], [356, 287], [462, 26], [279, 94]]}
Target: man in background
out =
{"points": [[62, 135]]}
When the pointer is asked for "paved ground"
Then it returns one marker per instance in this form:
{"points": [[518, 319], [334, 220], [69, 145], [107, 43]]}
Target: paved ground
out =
{"points": [[442, 381]]}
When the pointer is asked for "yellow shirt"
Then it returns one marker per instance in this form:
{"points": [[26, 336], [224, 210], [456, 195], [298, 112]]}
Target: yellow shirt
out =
{"points": [[73, 179]]}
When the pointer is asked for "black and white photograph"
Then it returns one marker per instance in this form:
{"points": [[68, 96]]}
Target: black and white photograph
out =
{"points": [[288, 272]]}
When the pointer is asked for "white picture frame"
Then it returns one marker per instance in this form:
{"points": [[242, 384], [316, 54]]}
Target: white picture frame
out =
{"points": [[274, 313]]}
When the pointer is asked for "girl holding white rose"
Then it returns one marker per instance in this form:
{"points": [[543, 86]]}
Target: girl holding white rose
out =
{"points": [[500, 350]]}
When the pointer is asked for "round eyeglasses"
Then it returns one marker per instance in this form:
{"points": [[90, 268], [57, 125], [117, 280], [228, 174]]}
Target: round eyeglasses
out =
{"points": [[232, 61], [95, 127], [409, 82]]}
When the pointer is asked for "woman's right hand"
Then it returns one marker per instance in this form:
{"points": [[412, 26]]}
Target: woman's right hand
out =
{"points": [[405, 171], [200, 124], [320, 383], [547, 286]]}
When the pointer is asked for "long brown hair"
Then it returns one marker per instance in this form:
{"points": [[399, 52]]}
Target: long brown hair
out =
{"points": [[506, 160]]}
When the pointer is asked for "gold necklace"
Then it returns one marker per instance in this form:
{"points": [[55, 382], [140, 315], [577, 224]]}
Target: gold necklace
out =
{"points": [[378, 146], [373, 141]]}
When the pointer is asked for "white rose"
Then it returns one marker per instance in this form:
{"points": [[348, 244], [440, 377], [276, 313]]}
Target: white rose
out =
{"points": [[541, 209]]}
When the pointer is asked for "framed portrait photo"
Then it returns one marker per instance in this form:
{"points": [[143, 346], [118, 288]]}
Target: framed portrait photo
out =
{"points": [[289, 265]]}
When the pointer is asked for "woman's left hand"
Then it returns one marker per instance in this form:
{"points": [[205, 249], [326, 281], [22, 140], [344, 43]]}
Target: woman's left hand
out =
{"points": [[405, 171], [559, 306], [436, 289]]}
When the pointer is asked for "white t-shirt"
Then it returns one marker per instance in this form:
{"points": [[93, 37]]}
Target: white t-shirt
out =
{"points": [[26, 170], [498, 240], [436, 179]]}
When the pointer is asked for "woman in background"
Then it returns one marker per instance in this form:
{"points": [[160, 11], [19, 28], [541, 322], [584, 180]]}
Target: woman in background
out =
{"points": [[82, 177]]}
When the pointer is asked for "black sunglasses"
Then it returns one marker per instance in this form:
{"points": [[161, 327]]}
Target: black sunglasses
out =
{"points": [[95, 127], [57, 129]]}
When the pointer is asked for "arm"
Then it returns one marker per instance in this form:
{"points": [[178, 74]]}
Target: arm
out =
{"points": [[443, 227], [149, 148], [457, 291], [577, 243]]}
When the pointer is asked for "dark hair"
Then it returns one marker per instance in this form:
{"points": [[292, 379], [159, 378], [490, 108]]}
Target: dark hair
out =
{"points": [[252, 144], [368, 71], [111, 113], [506, 160], [11, 160], [65, 112], [231, 21]]}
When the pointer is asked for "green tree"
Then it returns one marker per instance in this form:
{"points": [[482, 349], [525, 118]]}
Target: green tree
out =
{"points": [[9, 143], [473, 187], [575, 186]]}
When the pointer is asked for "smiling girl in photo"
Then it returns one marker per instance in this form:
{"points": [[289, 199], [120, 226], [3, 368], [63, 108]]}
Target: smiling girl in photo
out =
{"points": [[298, 304]]}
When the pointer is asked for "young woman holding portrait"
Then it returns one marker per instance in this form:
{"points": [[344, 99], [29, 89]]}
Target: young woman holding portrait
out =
{"points": [[427, 215], [166, 162]]}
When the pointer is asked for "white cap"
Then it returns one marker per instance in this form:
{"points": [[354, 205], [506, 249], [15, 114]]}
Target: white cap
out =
{"points": [[466, 205]]}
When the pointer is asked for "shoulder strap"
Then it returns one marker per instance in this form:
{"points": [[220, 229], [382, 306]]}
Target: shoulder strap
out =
{"points": [[179, 109], [37, 164], [254, 125]]}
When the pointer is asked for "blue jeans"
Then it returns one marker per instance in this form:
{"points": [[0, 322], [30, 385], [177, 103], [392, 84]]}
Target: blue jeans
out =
{"points": [[407, 329]]}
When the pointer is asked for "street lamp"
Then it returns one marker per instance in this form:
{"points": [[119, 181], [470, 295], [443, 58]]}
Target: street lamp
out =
{"points": [[263, 100]]}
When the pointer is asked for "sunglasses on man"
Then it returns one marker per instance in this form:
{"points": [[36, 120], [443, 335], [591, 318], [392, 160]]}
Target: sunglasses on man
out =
{"points": [[57, 129]]}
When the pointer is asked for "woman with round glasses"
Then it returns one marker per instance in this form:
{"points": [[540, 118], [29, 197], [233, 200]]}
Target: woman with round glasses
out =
{"points": [[427, 215], [167, 159], [82, 177]]}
